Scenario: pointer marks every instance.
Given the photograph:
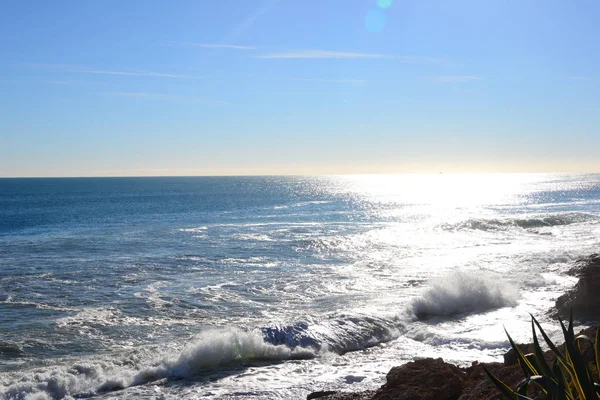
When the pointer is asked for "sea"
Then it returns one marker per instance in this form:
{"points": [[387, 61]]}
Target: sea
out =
{"points": [[275, 287]]}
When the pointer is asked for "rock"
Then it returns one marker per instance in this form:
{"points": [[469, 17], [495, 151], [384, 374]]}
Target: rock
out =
{"points": [[480, 387], [426, 379], [367, 395], [320, 394], [510, 357], [584, 298]]}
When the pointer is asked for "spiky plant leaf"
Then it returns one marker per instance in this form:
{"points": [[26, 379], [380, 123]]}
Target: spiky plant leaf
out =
{"points": [[528, 368], [548, 341], [547, 384], [562, 392], [560, 357], [581, 377], [543, 366], [503, 387], [571, 329], [597, 349]]}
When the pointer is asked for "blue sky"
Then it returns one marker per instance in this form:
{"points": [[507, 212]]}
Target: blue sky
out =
{"points": [[103, 88]]}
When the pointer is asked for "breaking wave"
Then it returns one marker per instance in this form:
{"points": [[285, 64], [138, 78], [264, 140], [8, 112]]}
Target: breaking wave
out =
{"points": [[464, 293], [339, 334], [209, 352], [524, 223]]}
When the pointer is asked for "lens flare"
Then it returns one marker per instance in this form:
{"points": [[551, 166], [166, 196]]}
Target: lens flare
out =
{"points": [[385, 3]]}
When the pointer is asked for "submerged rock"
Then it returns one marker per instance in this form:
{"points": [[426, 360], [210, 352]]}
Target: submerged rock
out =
{"points": [[584, 298]]}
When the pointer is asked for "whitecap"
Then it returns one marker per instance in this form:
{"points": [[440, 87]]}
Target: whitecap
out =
{"points": [[464, 292]]}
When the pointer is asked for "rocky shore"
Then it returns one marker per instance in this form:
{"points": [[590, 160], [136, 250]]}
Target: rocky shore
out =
{"points": [[435, 379]]}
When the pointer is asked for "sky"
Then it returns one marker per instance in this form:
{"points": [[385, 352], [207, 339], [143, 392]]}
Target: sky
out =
{"points": [[263, 87]]}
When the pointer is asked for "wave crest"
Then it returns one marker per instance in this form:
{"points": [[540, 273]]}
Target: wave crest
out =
{"points": [[339, 334], [216, 348], [464, 293], [209, 351], [540, 221]]}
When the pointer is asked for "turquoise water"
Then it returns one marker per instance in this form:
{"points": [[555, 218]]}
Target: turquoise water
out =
{"points": [[270, 287]]}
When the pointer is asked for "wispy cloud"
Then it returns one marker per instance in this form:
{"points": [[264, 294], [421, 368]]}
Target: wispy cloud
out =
{"points": [[329, 54], [168, 97], [325, 80], [215, 45], [249, 21], [96, 71], [456, 78], [320, 54]]}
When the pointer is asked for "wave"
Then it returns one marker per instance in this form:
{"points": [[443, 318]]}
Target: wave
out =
{"points": [[302, 204], [524, 223], [10, 349], [210, 351], [423, 334], [339, 334], [213, 349], [464, 293]]}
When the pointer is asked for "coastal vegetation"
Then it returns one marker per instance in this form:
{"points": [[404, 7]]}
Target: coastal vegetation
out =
{"points": [[571, 375]]}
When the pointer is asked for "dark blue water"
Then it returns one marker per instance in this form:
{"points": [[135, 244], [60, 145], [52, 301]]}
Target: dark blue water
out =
{"points": [[121, 274]]}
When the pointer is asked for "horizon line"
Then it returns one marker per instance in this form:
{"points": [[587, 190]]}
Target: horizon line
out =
{"points": [[292, 175]]}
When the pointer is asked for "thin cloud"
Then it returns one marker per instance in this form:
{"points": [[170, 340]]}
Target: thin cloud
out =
{"points": [[329, 54], [320, 54], [168, 97], [325, 80], [456, 78], [249, 21], [216, 45], [95, 71]]}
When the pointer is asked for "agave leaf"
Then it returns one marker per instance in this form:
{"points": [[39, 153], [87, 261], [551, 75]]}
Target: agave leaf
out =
{"points": [[560, 357], [597, 350], [533, 360], [547, 384], [581, 378], [528, 368], [571, 331], [548, 341], [504, 389], [582, 338], [562, 392], [543, 366]]}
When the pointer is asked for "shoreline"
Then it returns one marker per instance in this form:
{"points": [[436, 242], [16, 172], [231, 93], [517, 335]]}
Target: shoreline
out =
{"points": [[435, 379]]}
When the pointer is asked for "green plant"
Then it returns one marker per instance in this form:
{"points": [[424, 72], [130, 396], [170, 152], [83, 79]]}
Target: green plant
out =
{"points": [[569, 378]]}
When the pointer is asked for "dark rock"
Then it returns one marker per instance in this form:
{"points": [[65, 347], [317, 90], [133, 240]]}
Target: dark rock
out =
{"points": [[427, 379], [480, 387], [367, 395], [320, 394], [584, 299], [510, 357]]}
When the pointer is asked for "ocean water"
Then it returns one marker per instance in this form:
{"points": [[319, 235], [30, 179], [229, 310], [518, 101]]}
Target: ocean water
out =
{"points": [[273, 287]]}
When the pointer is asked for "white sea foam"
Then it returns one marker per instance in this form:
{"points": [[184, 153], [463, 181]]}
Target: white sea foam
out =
{"points": [[199, 229], [152, 295], [464, 292], [210, 350], [218, 348]]}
